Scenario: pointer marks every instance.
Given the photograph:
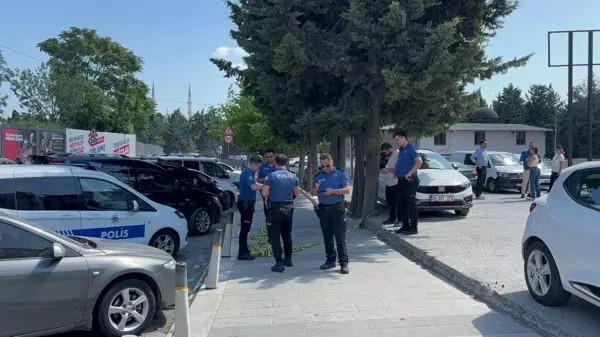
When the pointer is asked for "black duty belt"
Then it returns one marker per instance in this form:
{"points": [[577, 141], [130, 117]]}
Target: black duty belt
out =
{"points": [[323, 206], [281, 203]]}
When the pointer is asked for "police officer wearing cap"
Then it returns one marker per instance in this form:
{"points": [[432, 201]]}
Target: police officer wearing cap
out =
{"points": [[330, 185], [245, 205], [280, 189], [266, 168]]}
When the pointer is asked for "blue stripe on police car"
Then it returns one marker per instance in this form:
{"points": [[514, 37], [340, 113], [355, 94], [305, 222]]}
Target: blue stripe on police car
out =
{"points": [[109, 233]]}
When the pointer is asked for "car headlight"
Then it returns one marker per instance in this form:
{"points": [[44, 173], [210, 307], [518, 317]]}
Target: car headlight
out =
{"points": [[503, 175], [466, 184], [216, 200], [179, 214], [170, 265]]}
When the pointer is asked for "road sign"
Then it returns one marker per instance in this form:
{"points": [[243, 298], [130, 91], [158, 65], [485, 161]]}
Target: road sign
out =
{"points": [[219, 149], [228, 139], [228, 131]]}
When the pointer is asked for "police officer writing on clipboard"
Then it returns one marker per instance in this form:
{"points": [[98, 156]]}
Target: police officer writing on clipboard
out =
{"points": [[331, 184], [266, 168], [245, 205], [280, 189]]}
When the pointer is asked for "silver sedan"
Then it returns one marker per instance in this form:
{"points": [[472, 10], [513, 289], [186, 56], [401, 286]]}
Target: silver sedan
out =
{"points": [[51, 283]]}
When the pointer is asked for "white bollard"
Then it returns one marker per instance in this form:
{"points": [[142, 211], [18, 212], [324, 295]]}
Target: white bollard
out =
{"points": [[226, 250], [212, 279], [235, 234], [182, 304]]}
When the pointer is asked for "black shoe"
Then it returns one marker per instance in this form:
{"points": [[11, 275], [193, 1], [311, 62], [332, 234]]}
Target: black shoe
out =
{"points": [[522, 196], [398, 224], [411, 231], [278, 268], [288, 262], [402, 230], [327, 265], [246, 257], [389, 222], [344, 269]]}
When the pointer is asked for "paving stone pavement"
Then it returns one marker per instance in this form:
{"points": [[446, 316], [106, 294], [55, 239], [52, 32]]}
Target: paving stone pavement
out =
{"points": [[384, 295]]}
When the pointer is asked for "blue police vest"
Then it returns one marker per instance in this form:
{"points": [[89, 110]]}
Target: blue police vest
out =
{"points": [[247, 179], [334, 180], [281, 183], [406, 160]]}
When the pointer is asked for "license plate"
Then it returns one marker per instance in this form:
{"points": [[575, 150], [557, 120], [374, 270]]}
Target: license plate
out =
{"points": [[545, 181], [441, 198]]}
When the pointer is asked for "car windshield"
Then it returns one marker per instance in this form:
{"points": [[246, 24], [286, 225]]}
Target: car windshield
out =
{"points": [[504, 159], [226, 167], [433, 161]]}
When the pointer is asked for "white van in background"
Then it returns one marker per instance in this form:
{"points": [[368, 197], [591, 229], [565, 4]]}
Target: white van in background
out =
{"points": [[504, 171], [77, 202]]}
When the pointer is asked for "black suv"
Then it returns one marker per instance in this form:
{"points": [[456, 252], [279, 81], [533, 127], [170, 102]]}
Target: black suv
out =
{"points": [[201, 208]]}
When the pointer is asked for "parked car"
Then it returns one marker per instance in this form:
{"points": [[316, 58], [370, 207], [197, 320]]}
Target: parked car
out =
{"points": [[231, 189], [75, 201], [546, 171], [504, 171], [74, 283], [441, 186], [468, 171], [560, 243], [194, 179], [201, 208], [6, 161]]}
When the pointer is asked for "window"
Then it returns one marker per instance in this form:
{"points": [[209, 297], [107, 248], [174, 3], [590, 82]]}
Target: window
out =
{"points": [[153, 180], [433, 161], [7, 194], [46, 194], [468, 160], [479, 137], [123, 173], [16, 243], [103, 195], [213, 170], [520, 138], [584, 188], [440, 139], [192, 164]]}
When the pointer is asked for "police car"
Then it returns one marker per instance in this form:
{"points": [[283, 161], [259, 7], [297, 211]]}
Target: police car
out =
{"points": [[77, 202]]}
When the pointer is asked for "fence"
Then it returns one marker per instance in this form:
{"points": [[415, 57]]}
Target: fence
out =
{"points": [[143, 149]]}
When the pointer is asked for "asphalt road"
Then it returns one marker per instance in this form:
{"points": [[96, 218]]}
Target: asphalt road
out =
{"points": [[486, 246]]}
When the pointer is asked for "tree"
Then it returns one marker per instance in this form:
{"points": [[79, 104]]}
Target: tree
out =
{"points": [[203, 122], [510, 105], [177, 134], [36, 92], [544, 108], [5, 76]]}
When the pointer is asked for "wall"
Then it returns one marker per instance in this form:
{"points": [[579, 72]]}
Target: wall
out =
{"points": [[143, 149], [504, 141], [98, 142]]}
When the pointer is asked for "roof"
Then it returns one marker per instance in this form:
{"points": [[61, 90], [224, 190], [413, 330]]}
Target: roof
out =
{"points": [[495, 127], [7, 170], [471, 151]]}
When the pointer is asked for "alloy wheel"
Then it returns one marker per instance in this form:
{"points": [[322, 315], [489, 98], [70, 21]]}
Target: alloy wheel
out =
{"points": [[539, 273], [128, 309], [203, 221], [165, 243]]}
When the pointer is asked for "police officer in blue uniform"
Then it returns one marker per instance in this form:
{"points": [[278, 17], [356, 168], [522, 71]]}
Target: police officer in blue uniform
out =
{"points": [[266, 168], [280, 189], [245, 205], [409, 162], [330, 185]]}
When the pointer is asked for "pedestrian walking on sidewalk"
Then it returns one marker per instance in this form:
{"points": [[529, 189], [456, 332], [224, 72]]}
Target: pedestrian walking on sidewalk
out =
{"points": [[534, 177], [266, 168], [280, 189], [525, 183], [480, 159], [407, 165], [245, 204], [330, 185], [558, 164], [391, 182]]}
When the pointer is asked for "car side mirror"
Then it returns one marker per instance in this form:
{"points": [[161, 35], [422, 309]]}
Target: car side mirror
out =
{"points": [[455, 166], [58, 251], [133, 206]]}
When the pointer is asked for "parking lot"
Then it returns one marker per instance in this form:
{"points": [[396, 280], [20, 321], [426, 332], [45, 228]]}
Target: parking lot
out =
{"points": [[486, 246]]}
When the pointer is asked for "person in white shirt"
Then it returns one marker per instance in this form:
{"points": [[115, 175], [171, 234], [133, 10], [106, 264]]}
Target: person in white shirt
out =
{"points": [[390, 183], [534, 173], [558, 164]]}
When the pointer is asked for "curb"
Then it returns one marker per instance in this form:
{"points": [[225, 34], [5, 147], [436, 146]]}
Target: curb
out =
{"points": [[491, 297]]}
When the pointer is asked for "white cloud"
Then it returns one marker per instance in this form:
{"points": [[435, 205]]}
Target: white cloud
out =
{"points": [[241, 65], [224, 51]]}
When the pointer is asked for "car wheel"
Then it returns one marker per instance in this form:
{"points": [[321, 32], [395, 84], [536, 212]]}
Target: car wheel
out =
{"points": [[491, 186], [462, 212], [542, 277], [200, 221], [166, 240], [125, 309]]}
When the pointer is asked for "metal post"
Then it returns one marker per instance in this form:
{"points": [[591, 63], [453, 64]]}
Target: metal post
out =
{"points": [[212, 279], [226, 251], [570, 103], [590, 92], [182, 304]]}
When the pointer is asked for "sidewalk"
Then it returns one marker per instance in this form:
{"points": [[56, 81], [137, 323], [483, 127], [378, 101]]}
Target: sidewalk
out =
{"points": [[384, 295]]}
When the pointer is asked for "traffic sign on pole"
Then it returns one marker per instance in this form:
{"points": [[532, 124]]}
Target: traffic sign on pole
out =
{"points": [[228, 131], [228, 139]]}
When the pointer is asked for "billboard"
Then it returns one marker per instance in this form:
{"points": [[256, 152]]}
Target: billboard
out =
{"points": [[18, 144], [94, 142], [51, 142]]}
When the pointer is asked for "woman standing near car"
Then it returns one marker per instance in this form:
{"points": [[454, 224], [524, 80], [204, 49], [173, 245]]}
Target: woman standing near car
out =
{"points": [[534, 176]]}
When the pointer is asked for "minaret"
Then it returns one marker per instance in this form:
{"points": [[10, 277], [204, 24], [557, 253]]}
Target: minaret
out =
{"points": [[189, 102], [153, 96]]}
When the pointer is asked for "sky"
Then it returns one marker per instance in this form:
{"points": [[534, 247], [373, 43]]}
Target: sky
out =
{"points": [[177, 38]]}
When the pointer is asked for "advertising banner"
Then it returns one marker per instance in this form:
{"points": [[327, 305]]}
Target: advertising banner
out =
{"points": [[18, 144], [94, 142], [51, 142]]}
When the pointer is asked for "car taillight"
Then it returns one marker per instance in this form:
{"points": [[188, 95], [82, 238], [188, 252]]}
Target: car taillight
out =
{"points": [[55, 161], [532, 207], [474, 174]]}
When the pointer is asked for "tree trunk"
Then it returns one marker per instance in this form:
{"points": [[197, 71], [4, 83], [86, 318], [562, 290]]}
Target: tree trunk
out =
{"points": [[341, 152], [301, 166], [356, 206], [371, 150], [334, 150], [312, 159]]}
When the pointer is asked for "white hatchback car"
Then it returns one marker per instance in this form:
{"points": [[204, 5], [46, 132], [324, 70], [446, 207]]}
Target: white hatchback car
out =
{"points": [[561, 243], [441, 186]]}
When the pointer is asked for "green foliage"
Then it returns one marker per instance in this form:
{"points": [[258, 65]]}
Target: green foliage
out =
{"points": [[510, 105], [36, 92], [177, 134], [5, 76]]}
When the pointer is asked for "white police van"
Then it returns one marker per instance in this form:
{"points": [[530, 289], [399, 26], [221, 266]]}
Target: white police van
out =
{"points": [[79, 202]]}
